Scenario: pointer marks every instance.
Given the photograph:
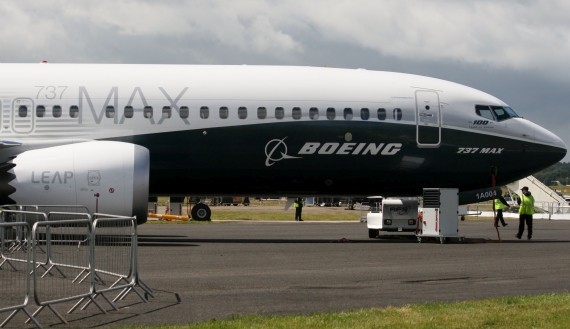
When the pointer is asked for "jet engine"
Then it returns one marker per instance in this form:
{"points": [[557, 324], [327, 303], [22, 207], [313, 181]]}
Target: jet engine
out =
{"points": [[106, 177]]}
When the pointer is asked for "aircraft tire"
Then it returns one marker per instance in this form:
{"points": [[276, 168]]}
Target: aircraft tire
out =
{"points": [[372, 233], [201, 212]]}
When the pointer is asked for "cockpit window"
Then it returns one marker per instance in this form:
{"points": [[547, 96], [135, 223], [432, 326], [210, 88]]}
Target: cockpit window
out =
{"points": [[498, 113], [484, 111], [511, 112]]}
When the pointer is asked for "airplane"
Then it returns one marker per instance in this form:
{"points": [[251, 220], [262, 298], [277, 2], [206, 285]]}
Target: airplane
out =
{"points": [[109, 136]]}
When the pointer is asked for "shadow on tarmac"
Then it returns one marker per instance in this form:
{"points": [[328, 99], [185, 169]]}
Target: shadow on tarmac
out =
{"points": [[172, 241]]}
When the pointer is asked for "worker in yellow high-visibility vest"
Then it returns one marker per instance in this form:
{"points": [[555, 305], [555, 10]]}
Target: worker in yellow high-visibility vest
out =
{"points": [[526, 210], [298, 209], [500, 204]]}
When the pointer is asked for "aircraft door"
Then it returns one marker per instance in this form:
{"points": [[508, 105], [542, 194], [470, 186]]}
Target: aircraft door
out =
{"points": [[428, 119], [23, 115]]}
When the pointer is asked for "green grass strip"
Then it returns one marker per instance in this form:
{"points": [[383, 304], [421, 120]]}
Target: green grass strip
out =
{"points": [[544, 311], [278, 216], [283, 215]]}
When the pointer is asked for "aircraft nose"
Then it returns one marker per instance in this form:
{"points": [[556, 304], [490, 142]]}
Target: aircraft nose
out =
{"points": [[546, 137]]}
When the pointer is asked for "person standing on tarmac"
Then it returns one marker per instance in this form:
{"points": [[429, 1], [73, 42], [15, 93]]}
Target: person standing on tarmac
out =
{"points": [[526, 210], [298, 209], [500, 204]]}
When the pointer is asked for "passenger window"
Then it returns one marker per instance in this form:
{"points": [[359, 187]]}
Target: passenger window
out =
{"points": [[381, 114], [110, 111], [184, 112], [224, 112], [40, 111], [261, 113], [314, 113], [148, 112], [129, 111], [397, 114], [279, 113], [166, 112], [56, 111], [204, 112], [296, 113], [484, 111], [347, 114], [242, 112], [364, 114], [73, 111], [22, 111], [331, 113]]}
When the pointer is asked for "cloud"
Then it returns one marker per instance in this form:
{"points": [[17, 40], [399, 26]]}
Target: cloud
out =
{"points": [[516, 35], [526, 35], [213, 21]]}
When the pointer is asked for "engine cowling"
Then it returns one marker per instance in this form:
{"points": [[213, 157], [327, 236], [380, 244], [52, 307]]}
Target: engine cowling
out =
{"points": [[106, 177]]}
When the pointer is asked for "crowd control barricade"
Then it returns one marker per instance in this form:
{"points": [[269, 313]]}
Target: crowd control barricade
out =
{"points": [[50, 265], [135, 277], [64, 211], [68, 253], [65, 215], [559, 211], [115, 258], [14, 268], [63, 257], [21, 240]]}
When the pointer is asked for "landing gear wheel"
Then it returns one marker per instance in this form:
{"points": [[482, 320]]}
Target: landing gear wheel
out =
{"points": [[420, 239], [201, 212], [372, 233]]}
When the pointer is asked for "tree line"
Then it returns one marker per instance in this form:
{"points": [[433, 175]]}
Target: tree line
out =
{"points": [[558, 172]]}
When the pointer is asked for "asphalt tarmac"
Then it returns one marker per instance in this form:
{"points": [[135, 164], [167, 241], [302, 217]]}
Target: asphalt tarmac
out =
{"points": [[206, 271]]}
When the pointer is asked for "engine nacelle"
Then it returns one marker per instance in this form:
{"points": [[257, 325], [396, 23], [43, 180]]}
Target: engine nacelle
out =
{"points": [[106, 177]]}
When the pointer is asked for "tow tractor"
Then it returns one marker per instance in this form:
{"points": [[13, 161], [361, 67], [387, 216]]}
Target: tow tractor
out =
{"points": [[437, 219], [395, 214]]}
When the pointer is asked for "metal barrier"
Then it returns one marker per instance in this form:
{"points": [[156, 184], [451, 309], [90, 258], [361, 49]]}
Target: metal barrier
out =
{"points": [[68, 253], [62, 209], [14, 267], [47, 208], [559, 211], [68, 256], [16, 216], [50, 264], [113, 246], [135, 280]]}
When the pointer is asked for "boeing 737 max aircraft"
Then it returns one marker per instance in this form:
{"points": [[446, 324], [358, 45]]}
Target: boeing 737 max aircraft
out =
{"points": [[105, 136]]}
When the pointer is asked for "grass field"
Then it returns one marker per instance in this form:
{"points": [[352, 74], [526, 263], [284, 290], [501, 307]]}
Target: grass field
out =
{"points": [[276, 213], [544, 311]]}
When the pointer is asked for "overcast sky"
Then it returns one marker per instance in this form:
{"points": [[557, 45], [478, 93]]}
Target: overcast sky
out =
{"points": [[518, 51]]}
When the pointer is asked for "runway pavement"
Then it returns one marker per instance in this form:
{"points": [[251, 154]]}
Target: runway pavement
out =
{"points": [[215, 270]]}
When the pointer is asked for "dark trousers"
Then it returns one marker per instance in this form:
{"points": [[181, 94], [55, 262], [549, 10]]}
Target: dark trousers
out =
{"points": [[298, 211], [500, 217], [522, 220]]}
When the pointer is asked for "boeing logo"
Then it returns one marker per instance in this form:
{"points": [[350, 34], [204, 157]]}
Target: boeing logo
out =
{"points": [[278, 146]]}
